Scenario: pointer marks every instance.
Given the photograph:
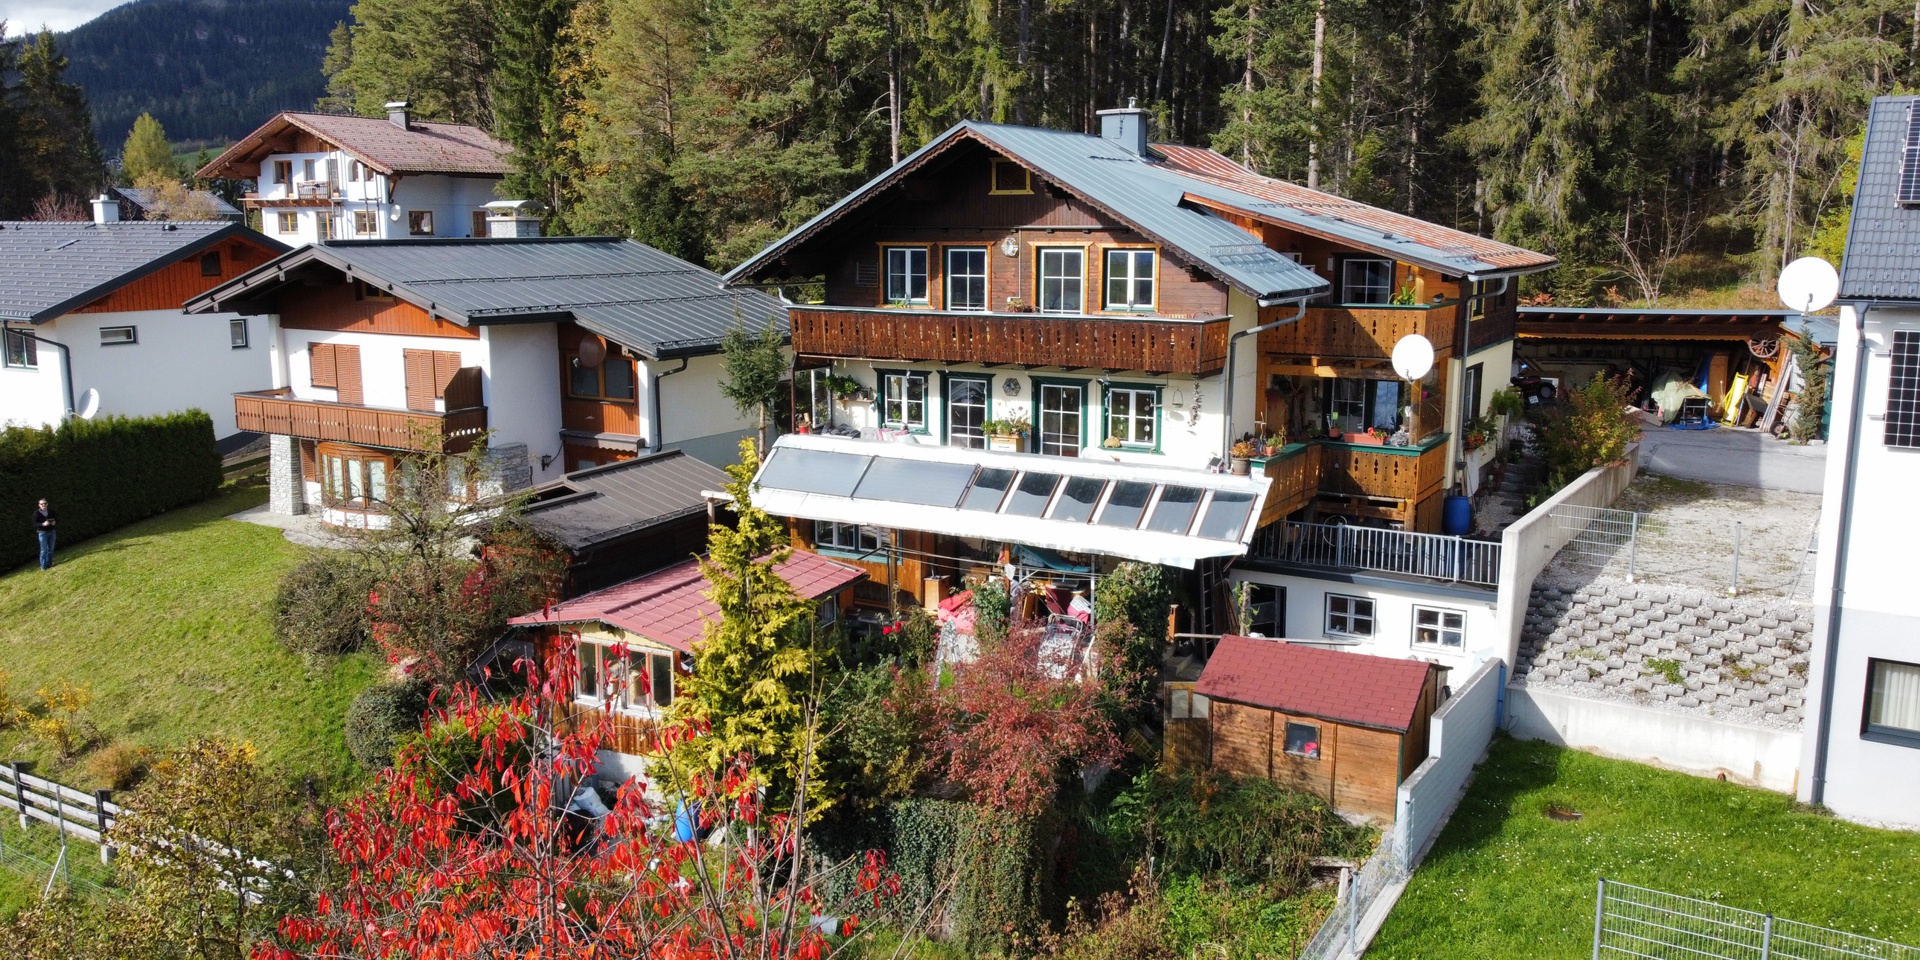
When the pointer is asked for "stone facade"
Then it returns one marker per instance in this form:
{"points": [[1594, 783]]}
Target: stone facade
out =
{"points": [[286, 488]]}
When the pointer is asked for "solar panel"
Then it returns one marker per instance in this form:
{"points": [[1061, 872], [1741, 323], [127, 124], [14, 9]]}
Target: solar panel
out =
{"points": [[1903, 391], [813, 471], [1910, 163], [1078, 499]]}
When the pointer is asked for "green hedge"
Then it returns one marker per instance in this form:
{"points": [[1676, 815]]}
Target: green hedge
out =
{"points": [[101, 475]]}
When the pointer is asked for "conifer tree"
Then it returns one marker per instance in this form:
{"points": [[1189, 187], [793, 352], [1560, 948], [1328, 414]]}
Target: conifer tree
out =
{"points": [[59, 157], [147, 151]]}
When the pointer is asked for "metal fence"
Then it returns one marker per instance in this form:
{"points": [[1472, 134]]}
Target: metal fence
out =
{"points": [[1657, 548], [1340, 546], [1340, 934], [1632, 921]]}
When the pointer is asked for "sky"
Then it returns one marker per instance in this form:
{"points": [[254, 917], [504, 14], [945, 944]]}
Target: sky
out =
{"points": [[26, 16]]}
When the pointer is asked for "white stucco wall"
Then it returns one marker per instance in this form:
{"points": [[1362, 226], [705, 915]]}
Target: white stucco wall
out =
{"points": [[522, 389], [695, 416], [1756, 756], [35, 396], [452, 200], [177, 362], [383, 372], [1393, 603]]}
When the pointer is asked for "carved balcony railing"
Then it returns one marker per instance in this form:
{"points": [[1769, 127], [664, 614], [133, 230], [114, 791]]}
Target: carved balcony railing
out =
{"points": [[276, 412], [1362, 333], [1155, 345]]}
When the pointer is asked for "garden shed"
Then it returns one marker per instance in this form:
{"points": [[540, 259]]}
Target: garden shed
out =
{"points": [[1345, 726]]}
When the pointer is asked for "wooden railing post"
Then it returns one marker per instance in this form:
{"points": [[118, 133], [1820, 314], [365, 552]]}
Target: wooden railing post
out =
{"points": [[19, 767]]}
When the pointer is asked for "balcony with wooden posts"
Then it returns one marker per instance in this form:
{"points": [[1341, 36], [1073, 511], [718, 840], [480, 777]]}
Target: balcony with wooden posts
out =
{"points": [[1363, 481], [277, 412], [1357, 332], [1150, 344]]}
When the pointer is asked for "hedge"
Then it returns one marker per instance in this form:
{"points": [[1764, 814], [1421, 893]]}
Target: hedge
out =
{"points": [[100, 475]]}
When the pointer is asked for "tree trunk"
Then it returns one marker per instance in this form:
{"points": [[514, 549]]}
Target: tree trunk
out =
{"points": [[1020, 61], [1246, 84], [1166, 39], [1319, 71]]}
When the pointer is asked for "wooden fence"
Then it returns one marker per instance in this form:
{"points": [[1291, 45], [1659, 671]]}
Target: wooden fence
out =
{"points": [[87, 816]]}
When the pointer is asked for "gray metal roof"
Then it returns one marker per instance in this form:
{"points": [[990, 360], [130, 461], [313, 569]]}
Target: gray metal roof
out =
{"points": [[144, 200], [1882, 261], [48, 268], [628, 292], [604, 503]]}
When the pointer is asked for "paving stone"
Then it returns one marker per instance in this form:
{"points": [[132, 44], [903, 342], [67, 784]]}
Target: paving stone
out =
{"points": [[1802, 645], [1719, 605], [1716, 642], [1719, 625], [1659, 695], [1763, 658], [1689, 701], [1776, 706], [1750, 645], [1768, 621], [1778, 670], [1795, 682], [1609, 617], [1638, 622]]}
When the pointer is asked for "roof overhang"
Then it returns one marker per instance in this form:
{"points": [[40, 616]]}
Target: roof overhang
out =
{"points": [[1405, 253], [228, 232], [244, 294], [1607, 323], [848, 499]]}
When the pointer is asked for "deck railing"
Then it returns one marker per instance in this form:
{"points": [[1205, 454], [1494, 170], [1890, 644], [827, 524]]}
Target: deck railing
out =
{"points": [[1149, 344], [275, 412], [1361, 332], [1337, 546]]}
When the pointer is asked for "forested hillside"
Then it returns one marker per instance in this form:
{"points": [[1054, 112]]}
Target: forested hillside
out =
{"points": [[1651, 146], [209, 70]]}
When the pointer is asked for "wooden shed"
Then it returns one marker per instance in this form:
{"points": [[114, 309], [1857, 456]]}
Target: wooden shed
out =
{"points": [[1346, 726]]}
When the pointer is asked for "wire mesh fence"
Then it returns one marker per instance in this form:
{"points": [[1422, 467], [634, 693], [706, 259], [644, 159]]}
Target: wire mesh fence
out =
{"points": [[1632, 921], [46, 862], [1340, 932], [1739, 558]]}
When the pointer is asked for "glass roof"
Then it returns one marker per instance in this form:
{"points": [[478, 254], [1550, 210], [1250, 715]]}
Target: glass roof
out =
{"points": [[1174, 512], [1226, 515], [813, 471], [915, 481], [988, 489]]}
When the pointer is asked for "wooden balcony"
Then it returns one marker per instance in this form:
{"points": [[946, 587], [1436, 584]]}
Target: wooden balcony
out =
{"points": [[274, 411], [1154, 345], [1359, 333], [1402, 484], [1295, 476]]}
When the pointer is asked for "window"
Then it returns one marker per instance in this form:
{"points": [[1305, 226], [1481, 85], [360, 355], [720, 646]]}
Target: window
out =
{"points": [[906, 274], [22, 350], [1010, 177], [352, 478], [1184, 704], [1439, 627], [1303, 740], [1478, 309], [366, 223], [282, 171], [479, 223], [966, 411], [362, 290], [633, 680], [966, 278], [828, 535], [290, 223], [1063, 274], [1266, 610], [1470, 397], [116, 336], [1062, 413], [237, 334], [1348, 401], [1130, 279], [323, 225], [1349, 616], [903, 400], [1903, 392], [829, 612], [420, 223], [1133, 415], [306, 169], [611, 380], [1360, 404], [210, 264], [1893, 702], [1366, 281]]}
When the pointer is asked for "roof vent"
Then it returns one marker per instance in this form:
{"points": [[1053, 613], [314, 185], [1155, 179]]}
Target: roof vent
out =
{"points": [[397, 112], [1126, 126], [106, 209], [514, 218]]}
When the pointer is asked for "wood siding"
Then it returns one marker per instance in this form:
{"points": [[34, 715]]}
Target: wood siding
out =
{"points": [[594, 415], [909, 569], [1355, 333], [1365, 772], [1296, 480], [1362, 472], [1242, 740], [274, 411], [336, 307], [1359, 769], [1500, 323], [1155, 346], [176, 283]]}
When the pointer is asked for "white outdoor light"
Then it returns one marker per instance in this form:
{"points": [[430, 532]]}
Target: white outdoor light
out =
{"points": [[1808, 284], [1011, 245], [1412, 357]]}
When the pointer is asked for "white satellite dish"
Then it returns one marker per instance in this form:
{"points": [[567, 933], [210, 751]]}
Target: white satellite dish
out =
{"points": [[1808, 284], [1412, 357], [89, 404]]}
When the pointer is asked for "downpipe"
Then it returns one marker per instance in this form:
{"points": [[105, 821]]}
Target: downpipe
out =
{"points": [[1233, 347], [1837, 593], [653, 388]]}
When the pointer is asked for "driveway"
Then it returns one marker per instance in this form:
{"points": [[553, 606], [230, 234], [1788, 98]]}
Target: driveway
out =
{"points": [[1748, 458]]}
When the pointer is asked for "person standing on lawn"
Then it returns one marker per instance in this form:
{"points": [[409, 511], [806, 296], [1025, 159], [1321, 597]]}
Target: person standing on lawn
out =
{"points": [[43, 524]]}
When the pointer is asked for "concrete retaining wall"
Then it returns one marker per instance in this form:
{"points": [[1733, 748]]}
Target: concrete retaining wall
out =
{"points": [[1461, 729], [1757, 756], [1530, 543]]}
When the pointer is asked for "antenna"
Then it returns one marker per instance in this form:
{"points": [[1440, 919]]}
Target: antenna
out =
{"points": [[1808, 284], [89, 405], [1412, 357]]}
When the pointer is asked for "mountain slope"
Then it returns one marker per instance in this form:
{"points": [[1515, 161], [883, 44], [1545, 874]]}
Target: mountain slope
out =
{"points": [[208, 70]]}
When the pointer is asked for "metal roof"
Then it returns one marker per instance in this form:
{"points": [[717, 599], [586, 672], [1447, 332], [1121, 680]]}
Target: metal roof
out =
{"points": [[48, 268], [1882, 261], [1650, 323], [590, 507], [628, 292], [422, 147], [144, 200]]}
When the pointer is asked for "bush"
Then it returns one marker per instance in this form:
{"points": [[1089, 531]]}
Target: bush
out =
{"points": [[61, 722], [1591, 429], [380, 717], [1141, 595], [102, 474], [322, 605], [991, 609], [1242, 830], [119, 765]]}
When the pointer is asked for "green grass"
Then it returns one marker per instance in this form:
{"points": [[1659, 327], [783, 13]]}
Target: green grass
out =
{"points": [[1505, 881], [26, 857]]}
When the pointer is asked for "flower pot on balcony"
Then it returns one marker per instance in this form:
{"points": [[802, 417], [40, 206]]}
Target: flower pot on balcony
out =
{"points": [[1241, 466], [1007, 442], [1366, 439]]}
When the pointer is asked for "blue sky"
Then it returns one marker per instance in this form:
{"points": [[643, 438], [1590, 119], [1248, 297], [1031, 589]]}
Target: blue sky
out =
{"points": [[26, 16]]}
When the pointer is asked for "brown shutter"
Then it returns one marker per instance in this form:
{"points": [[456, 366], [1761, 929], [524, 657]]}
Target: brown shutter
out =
{"points": [[463, 389], [420, 379], [321, 359], [346, 368], [309, 468], [445, 364]]}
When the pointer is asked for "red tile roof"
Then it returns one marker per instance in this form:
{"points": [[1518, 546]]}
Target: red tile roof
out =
{"points": [[422, 147], [1354, 688], [671, 606]]}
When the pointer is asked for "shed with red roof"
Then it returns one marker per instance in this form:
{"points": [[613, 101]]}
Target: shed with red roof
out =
{"points": [[1345, 726]]}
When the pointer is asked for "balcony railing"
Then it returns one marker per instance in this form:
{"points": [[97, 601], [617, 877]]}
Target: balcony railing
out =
{"points": [[1365, 333], [1295, 476], [274, 411], [1154, 345], [1401, 473], [1336, 546]]}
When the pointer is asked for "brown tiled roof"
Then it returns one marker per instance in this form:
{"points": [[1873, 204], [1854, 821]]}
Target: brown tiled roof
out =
{"points": [[423, 147], [671, 607], [1368, 691]]}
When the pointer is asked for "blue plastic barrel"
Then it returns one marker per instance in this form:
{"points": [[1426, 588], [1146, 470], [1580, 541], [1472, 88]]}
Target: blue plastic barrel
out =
{"points": [[1457, 518]]}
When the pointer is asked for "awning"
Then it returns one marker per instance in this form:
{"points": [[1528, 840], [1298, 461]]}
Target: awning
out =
{"points": [[1162, 515]]}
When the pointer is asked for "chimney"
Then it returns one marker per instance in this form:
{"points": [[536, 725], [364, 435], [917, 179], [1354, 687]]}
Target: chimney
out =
{"points": [[1126, 126], [106, 209], [397, 112], [514, 218]]}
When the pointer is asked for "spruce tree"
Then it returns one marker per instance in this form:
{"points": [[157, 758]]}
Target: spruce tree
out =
{"points": [[59, 158]]}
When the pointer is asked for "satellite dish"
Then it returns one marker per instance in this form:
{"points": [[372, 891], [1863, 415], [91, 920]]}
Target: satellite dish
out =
{"points": [[1412, 357], [1808, 284], [593, 350], [89, 404]]}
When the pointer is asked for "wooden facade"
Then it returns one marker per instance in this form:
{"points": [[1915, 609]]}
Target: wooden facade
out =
{"points": [[274, 411], [596, 414], [347, 308], [1295, 473], [170, 286], [1152, 345], [1355, 333]]}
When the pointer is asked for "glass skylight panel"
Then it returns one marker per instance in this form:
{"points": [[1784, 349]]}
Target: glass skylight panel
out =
{"points": [[989, 488], [1226, 515], [1174, 512], [825, 472], [1031, 495], [914, 481], [1128, 502], [1077, 501]]}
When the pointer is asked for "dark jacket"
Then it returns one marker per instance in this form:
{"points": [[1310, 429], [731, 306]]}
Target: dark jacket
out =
{"points": [[42, 520]]}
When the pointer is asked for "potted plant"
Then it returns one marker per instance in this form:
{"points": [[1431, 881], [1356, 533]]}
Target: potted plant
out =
{"points": [[1333, 427], [842, 388], [1242, 455], [1404, 297], [1018, 305], [1271, 446], [1009, 435], [1112, 442]]}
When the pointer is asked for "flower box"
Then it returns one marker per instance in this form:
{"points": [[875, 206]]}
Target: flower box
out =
{"points": [[1007, 443], [1366, 439]]}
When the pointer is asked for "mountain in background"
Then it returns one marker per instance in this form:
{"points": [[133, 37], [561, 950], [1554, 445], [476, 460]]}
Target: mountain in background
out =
{"points": [[209, 70]]}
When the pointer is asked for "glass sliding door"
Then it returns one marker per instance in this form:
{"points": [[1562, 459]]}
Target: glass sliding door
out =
{"points": [[966, 411], [1062, 413]]}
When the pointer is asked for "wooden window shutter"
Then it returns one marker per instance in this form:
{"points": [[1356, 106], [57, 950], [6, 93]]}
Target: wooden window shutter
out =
{"points": [[446, 363], [346, 367], [320, 357], [309, 467], [463, 389], [420, 379]]}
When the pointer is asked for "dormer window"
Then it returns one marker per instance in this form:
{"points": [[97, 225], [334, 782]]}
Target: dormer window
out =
{"points": [[906, 274]]}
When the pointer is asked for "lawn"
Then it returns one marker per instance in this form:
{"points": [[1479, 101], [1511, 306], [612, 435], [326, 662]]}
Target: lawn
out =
{"points": [[1506, 881]]}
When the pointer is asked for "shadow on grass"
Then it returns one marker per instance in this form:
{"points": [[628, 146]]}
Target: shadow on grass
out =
{"points": [[1513, 769]]}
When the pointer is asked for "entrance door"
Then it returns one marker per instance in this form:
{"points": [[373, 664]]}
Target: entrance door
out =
{"points": [[966, 411], [1062, 409]]}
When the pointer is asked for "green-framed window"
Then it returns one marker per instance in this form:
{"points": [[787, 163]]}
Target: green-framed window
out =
{"points": [[1061, 421], [903, 399], [1132, 413]]}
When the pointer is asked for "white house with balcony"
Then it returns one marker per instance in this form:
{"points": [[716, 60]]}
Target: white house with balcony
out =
{"points": [[329, 177]]}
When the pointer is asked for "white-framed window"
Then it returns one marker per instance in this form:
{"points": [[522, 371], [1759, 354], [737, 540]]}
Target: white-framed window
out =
{"points": [[1366, 280], [21, 350], [1266, 610], [307, 170], [420, 223], [1303, 740], [1129, 279], [966, 278], [828, 611], [1348, 400], [906, 274], [237, 334], [1440, 627], [1133, 415], [1063, 280], [967, 411], [289, 222], [1893, 702], [844, 536], [366, 223], [1349, 616], [633, 681], [118, 336], [903, 400]]}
